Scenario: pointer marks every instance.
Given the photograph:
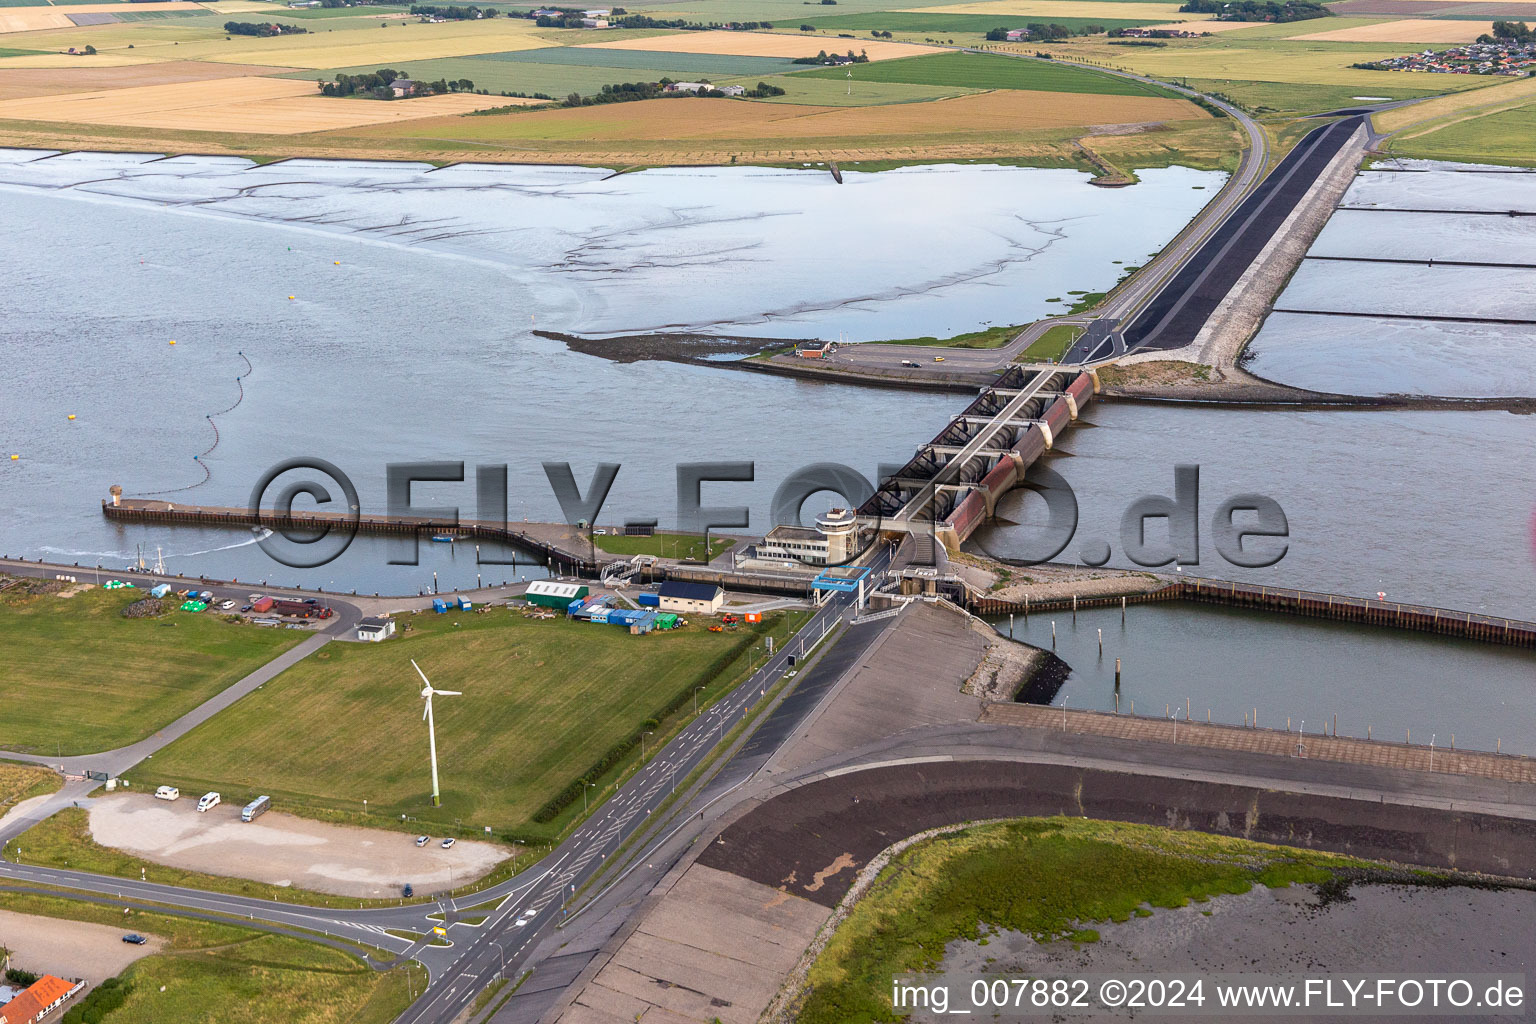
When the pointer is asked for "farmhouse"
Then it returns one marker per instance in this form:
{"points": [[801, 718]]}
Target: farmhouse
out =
{"points": [[594, 22], [677, 596], [689, 87], [1013, 35], [402, 87], [41, 998]]}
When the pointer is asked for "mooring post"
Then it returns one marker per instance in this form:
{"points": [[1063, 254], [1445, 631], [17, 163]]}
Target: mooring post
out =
{"points": [[1117, 680], [1122, 609], [1074, 609], [1101, 642], [1053, 634], [1010, 625]]}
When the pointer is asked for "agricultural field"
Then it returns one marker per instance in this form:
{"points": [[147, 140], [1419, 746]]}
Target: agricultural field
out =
{"points": [[989, 71], [263, 106], [830, 92], [1090, 9], [1405, 30], [755, 44], [251, 977], [91, 679], [1504, 137], [700, 120], [922, 24], [542, 701]]}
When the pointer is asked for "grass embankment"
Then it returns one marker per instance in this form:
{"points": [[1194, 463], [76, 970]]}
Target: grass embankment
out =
{"points": [[1494, 126], [990, 337], [1053, 878], [214, 971], [81, 678], [20, 782], [663, 545], [543, 702], [1051, 345]]}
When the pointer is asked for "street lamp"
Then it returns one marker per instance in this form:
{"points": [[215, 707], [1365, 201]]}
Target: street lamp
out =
{"points": [[696, 690], [585, 785]]}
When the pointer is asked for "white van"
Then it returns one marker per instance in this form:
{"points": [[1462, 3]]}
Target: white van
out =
{"points": [[167, 793], [208, 802]]}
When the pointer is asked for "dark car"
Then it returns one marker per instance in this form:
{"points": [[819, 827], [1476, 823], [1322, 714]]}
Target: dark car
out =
{"points": [[310, 600], [245, 608], [135, 938], [407, 892]]}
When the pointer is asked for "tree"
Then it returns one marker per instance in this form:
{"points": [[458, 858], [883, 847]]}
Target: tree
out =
{"points": [[807, 28], [90, 50]]}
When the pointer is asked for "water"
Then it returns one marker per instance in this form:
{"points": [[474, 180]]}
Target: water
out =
{"points": [[407, 336], [1448, 220], [1435, 508], [1228, 662]]}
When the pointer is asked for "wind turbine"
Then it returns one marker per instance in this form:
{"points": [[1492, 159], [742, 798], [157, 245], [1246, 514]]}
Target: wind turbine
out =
{"points": [[427, 692]]}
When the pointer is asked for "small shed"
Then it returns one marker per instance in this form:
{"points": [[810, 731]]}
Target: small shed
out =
{"points": [[161, 590], [374, 630]]}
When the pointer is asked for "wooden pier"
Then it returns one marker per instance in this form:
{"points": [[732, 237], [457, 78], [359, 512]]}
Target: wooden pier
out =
{"points": [[1335, 607]]}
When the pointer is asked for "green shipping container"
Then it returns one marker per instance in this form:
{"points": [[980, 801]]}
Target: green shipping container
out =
{"points": [[667, 621]]}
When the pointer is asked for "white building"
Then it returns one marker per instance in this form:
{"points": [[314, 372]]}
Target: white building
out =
{"points": [[832, 542], [678, 596], [375, 630]]}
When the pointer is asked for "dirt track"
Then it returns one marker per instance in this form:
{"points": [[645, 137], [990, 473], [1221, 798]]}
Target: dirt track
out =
{"points": [[284, 850]]}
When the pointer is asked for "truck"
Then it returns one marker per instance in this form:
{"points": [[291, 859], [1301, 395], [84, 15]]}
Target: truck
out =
{"points": [[256, 808], [261, 604], [302, 609]]}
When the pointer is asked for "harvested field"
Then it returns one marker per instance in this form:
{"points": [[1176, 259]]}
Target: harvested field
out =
{"points": [[69, 60], [32, 19], [259, 106], [1064, 8], [20, 83], [758, 44], [992, 71], [1430, 8], [1018, 110], [1406, 30], [1205, 26]]}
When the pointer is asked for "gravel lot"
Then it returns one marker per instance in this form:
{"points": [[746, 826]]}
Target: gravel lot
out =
{"points": [[282, 849], [70, 949]]}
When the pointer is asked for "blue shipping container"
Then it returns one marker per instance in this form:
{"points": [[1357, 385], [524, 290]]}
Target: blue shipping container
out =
{"points": [[649, 601], [439, 605], [464, 604]]}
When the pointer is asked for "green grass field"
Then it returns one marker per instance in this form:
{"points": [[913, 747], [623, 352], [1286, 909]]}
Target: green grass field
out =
{"points": [[824, 92], [215, 971], [1051, 345], [920, 23], [7, 52], [543, 701], [1053, 878], [20, 782], [989, 71], [81, 678], [1507, 137], [499, 76], [663, 545], [1298, 97], [649, 60], [990, 337]]}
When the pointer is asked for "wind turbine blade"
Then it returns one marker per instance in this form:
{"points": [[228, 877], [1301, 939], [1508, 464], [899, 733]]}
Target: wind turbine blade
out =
{"points": [[448, 693], [426, 710], [419, 672]]}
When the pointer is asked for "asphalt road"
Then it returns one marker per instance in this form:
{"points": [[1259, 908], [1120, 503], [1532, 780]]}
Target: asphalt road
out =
{"points": [[1129, 298]]}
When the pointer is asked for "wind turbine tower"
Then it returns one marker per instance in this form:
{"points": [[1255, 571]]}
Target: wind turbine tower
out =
{"points": [[427, 693]]}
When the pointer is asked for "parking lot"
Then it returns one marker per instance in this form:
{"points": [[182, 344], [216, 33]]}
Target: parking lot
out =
{"points": [[284, 850]]}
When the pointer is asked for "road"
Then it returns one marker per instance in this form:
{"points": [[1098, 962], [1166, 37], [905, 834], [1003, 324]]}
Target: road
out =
{"points": [[503, 944], [531, 903], [1126, 300]]}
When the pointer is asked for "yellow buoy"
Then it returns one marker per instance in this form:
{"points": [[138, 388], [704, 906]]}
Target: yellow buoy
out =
{"points": [[336, 262], [290, 298], [173, 341], [71, 415], [15, 457]]}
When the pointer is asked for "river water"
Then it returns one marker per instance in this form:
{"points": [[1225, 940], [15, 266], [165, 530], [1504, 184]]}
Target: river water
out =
{"points": [[379, 313]]}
